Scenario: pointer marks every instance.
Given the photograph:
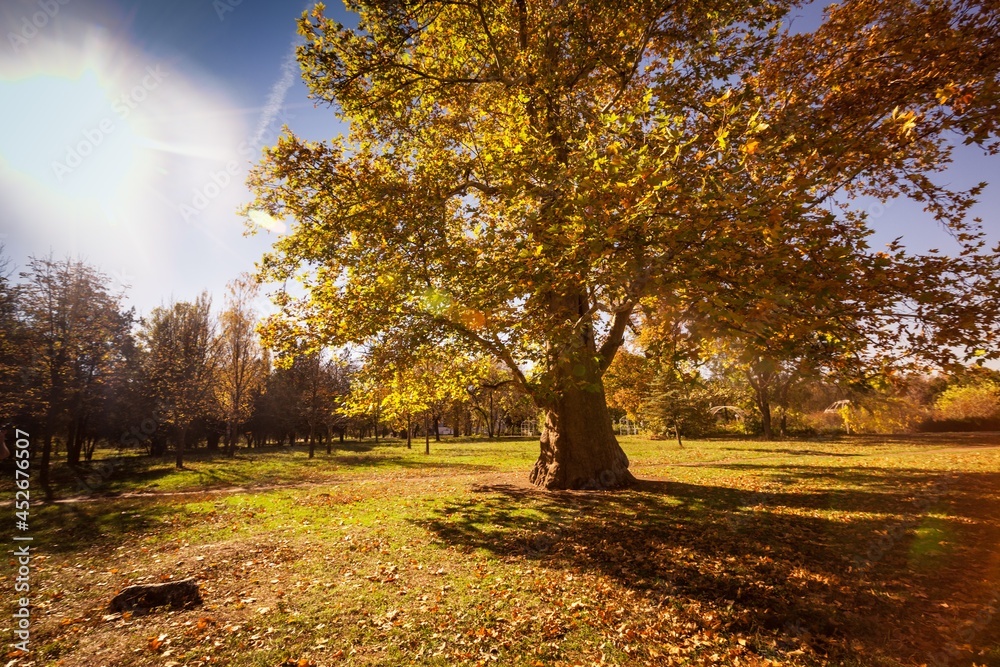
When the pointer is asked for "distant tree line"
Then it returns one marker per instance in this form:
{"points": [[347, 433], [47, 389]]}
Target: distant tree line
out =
{"points": [[79, 368], [678, 382]]}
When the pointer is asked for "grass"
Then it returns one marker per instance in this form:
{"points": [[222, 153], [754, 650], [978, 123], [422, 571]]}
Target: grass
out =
{"points": [[854, 551], [111, 473]]}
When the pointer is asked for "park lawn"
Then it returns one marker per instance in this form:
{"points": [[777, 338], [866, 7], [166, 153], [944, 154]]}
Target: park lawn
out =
{"points": [[853, 551], [112, 473]]}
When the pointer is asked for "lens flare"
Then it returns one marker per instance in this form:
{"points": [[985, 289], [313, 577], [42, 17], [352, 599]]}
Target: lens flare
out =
{"points": [[266, 220], [103, 144]]}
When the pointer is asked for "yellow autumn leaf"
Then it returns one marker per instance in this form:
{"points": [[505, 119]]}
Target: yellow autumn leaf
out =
{"points": [[720, 137]]}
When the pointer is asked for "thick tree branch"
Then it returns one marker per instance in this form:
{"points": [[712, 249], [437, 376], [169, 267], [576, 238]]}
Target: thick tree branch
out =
{"points": [[616, 337], [463, 188]]}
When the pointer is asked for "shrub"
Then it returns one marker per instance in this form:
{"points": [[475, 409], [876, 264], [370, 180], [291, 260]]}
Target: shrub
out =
{"points": [[980, 401]]}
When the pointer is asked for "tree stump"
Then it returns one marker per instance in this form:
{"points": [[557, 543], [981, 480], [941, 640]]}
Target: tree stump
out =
{"points": [[178, 594]]}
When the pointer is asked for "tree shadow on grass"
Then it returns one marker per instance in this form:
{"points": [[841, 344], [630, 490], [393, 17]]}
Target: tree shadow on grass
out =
{"points": [[116, 476], [790, 451], [848, 573], [70, 528]]}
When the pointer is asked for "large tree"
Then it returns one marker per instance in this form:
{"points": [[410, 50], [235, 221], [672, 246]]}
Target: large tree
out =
{"points": [[519, 175]]}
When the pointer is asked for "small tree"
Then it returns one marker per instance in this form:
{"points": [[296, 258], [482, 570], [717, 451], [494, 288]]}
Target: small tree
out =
{"points": [[242, 369], [678, 401], [182, 363], [628, 383], [407, 384], [319, 388], [15, 366]]}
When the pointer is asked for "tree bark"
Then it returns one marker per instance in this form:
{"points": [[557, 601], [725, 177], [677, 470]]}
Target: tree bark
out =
{"points": [[492, 420], [81, 436], [765, 414], [579, 448], [578, 445]]}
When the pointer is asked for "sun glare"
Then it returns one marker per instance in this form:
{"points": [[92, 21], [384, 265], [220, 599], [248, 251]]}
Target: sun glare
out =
{"points": [[267, 221], [100, 135]]}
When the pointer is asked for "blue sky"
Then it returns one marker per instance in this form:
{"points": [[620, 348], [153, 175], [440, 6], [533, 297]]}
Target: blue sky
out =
{"points": [[127, 128]]}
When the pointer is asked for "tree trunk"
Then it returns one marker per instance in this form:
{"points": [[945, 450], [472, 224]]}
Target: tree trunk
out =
{"points": [[180, 447], [765, 414], [491, 420], [182, 594], [579, 448], [43, 476], [427, 437], [312, 441], [72, 451], [157, 445], [232, 435], [761, 382], [437, 430], [677, 433], [578, 445], [409, 433], [81, 437]]}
